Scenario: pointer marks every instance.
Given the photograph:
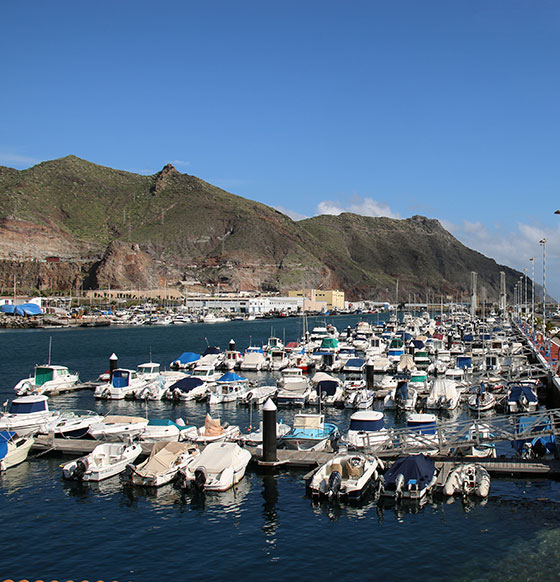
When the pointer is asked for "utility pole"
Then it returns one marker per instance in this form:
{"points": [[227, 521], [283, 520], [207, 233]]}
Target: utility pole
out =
{"points": [[542, 242]]}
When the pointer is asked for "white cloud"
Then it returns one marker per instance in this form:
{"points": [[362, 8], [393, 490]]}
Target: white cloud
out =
{"points": [[291, 213], [357, 205], [515, 247], [17, 159], [180, 163]]}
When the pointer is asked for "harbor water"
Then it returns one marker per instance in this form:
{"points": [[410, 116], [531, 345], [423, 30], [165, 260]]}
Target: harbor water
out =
{"points": [[266, 526]]}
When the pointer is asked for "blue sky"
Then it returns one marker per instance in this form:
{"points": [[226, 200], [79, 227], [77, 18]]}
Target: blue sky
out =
{"points": [[449, 109]]}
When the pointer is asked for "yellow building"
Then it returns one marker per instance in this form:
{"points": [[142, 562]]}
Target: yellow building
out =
{"points": [[319, 299]]}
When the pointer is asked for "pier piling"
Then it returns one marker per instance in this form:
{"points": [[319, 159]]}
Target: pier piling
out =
{"points": [[269, 432]]}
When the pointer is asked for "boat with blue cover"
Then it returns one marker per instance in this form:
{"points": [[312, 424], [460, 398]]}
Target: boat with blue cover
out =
{"points": [[367, 430], [13, 449], [522, 398], [409, 478], [27, 415]]}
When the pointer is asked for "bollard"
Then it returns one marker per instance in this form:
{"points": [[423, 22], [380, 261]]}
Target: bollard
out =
{"points": [[113, 364], [370, 375], [231, 345], [269, 432]]}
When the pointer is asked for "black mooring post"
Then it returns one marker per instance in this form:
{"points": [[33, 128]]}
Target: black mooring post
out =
{"points": [[269, 432], [113, 364], [370, 375]]}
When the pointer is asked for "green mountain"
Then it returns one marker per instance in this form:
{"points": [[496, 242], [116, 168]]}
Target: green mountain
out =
{"points": [[110, 227]]}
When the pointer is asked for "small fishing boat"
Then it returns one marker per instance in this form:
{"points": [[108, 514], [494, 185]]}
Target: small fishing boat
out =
{"points": [[213, 431], [294, 388], [403, 397], [310, 432], [218, 468], [422, 433], [47, 379], [522, 398], [106, 460], [186, 389], [443, 395], [409, 478], [367, 430], [255, 439], [161, 467], [359, 399], [13, 449], [345, 475], [122, 383], [481, 402], [468, 479]]}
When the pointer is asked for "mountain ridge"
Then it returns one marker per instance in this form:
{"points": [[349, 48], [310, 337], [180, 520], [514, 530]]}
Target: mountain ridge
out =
{"points": [[192, 230]]}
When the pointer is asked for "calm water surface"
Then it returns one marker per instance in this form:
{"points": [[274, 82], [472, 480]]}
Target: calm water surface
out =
{"points": [[264, 527]]}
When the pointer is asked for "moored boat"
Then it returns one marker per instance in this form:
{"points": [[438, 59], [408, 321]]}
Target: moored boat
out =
{"points": [[13, 449]]}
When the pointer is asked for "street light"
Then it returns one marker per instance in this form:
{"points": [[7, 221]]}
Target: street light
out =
{"points": [[532, 259], [542, 242]]}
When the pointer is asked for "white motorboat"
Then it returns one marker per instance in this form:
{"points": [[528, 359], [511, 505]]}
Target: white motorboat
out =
{"points": [[330, 392], [47, 379], [294, 388], [367, 430], [359, 399], [13, 449], [522, 398], [213, 431], [187, 388], [481, 402], [409, 478], [106, 460], [310, 432], [159, 429], [468, 479], [228, 392], [422, 433], [443, 395], [161, 467], [253, 359], [348, 475], [27, 415], [118, 428], [73, 424], [218, 468], [122, 383], [258, 395]]}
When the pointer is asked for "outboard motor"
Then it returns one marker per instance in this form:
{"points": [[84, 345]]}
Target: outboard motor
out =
{"points": [[200, 477], [126, 475], [335, 481], [80, 470]]}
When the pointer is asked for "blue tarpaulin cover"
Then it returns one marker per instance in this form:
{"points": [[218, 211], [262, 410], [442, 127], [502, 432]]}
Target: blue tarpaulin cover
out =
{"points": [[188, 357], [28, 309], [354, 363], [414, 467], [187, 384], [211, 350], [464, 362], [231, 377], [7, 308]]}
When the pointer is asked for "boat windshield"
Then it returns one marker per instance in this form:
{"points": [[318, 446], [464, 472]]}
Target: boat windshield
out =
{"points": [[42, 375], [28, 407], [366, 425]]}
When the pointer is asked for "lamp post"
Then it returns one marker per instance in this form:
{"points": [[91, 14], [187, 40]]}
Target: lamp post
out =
{"points": [[532, 259], [542, 242]]}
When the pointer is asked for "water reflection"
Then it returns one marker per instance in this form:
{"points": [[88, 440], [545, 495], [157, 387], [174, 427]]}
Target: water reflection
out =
{"points": [[15, 478], [229, 501]]}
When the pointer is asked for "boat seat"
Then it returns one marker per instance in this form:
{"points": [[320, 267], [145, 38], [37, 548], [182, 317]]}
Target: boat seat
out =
{"points": [[354, 472], [340, 468]]}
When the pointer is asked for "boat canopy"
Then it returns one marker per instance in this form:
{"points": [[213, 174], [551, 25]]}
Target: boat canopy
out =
{"points": [[464, 362], [329, 343], [355, 363], [231, 377], [7, 308], [121, 378], [28, 407], [468, 337], [401, 391], [417, 468], [212, 350], [43, 374], [418, 344], [366, 425], [422, 423], [188, 357], [517, 391], [327, 387], [187, 384], [5, 437], [165, 422]]}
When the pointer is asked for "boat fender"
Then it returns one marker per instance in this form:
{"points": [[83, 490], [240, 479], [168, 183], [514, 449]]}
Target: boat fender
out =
{"points": [[200, 477], [335, 481]]}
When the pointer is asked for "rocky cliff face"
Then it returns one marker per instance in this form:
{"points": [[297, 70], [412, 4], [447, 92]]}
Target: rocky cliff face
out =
{"points": [[123, 230]]}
